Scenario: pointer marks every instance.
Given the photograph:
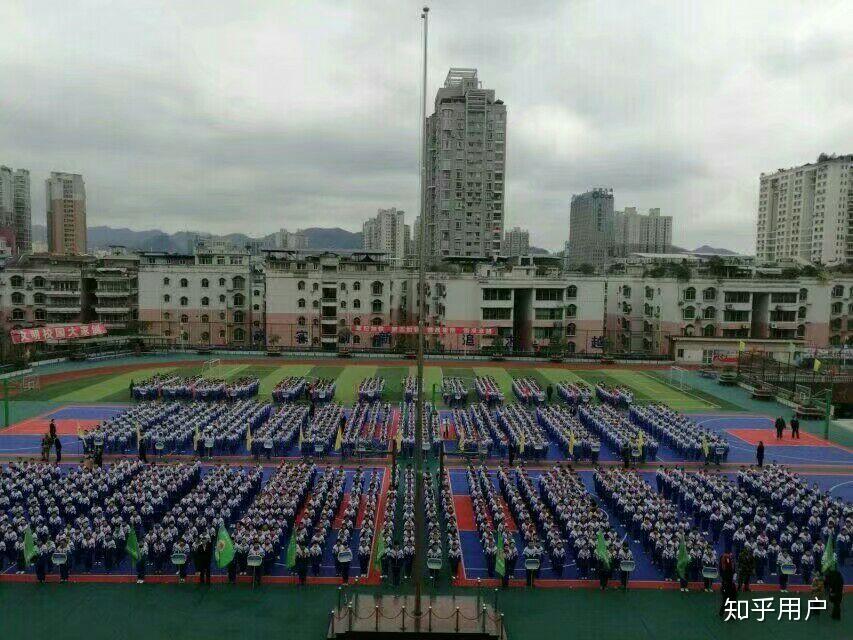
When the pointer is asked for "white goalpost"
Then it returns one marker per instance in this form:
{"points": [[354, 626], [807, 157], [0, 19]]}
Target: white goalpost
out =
{"points": [[677, 378], [29, 383], [210, 365]]}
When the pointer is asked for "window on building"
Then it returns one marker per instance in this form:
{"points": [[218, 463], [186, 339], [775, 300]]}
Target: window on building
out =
{"points": [[205, 319], [17, 298], [239, 317], [205, 283], [300, 303], [356, 304], [730, 315], [356, 286], [554, 295], [205, 336], [497, 313], [167, 298], [221, 297], [737, 296], [690, 294], [837, 291], [39, 282], [166, 282], [238, 282], [571, 329], [185, 319], [709, 313], [376, 306], [497, 294], [709, 331], [301, 321], [548, 314], [572, 291], [239, 334], [184, 283], [688, 313], [804, 295], [239, 299], [205, 301], [376, 288], [709, 294], [184, 301], [221, 282], [571, 311], [356, 321]]}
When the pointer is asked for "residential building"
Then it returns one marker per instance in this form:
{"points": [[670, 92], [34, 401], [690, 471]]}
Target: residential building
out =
{"points": [[204, 298], [314, 298], [465, 170], [388, 233], [516, 242], [805, 213], [644, 313], [42, 289], [292, 240], [66, 213], [111, 289], [634, 232], [15, 209], [591, 228]]}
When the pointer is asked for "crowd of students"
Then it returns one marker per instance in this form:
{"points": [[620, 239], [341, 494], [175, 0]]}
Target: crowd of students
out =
{"points": [[564, 428], [528, 391], [370, 389], [454, 392], [618, 432], [572, 393], [289, 389], [194, 388], [488, 390], [680, 433], [620, 397]]}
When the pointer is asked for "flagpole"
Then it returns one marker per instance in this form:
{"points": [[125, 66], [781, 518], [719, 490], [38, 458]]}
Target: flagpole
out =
{"points": [[417, 573]]}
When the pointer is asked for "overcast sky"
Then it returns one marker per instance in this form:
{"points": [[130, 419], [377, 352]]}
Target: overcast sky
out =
{"points": [[230, 116]]}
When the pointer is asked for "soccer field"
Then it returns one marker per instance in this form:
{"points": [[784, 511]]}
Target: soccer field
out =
{"points": [[98, 386]]}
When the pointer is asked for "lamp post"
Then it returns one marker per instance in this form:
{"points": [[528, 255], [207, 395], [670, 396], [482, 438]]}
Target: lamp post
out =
{"points": [[417, 570]]}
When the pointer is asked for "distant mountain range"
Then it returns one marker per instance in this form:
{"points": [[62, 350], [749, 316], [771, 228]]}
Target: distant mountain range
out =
{"points": [[102, 237], [333, 239]]}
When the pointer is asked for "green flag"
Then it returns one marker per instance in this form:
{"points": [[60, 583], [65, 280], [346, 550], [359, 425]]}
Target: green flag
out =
{"points": [[380, 551], [682, 560], [224, 548], [30, 550], [290, 561], [132, 545], [601, 551], [828, 560], [500, 559]]}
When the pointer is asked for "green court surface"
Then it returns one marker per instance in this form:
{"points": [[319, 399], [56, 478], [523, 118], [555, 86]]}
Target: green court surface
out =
{"points": [[348, 381], [128, 611], [501, 376], [270, 376], [658, 391]]}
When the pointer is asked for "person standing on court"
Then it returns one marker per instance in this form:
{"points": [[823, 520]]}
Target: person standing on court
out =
{"points": [[549, 391], [759, 453], [795, 428], [780, 427], [833, 582], [57, 443], [52, 429]]}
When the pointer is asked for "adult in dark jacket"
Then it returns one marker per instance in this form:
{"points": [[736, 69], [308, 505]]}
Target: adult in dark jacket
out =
{"points": [[745, 567], [833, 582], [728, 589], [780, 427], [759, 453]]}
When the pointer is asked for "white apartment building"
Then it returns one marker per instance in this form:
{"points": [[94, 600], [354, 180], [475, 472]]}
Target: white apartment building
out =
{"points": [[516, 242], [313, 299], [806, 213], [644, 312], [387, 233], [294, 240], [465, 170], [65, 196], [43, 289], [206, 298], [634, 232], [15, 209], [591, 224]]}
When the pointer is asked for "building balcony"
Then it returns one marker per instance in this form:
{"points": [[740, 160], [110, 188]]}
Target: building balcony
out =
{"points": [[63, 310], [62, 293], [100, 293], [101, 310]]}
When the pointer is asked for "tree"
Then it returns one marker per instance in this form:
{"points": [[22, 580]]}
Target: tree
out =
{"points": [[586, 269]]}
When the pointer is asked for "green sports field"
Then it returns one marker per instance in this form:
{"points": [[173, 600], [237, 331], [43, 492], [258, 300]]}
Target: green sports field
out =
{"points": [[114, 387]]}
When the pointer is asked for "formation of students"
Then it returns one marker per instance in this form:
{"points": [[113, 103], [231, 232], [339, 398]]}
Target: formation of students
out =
{"points": [[680, 433], [472, 429], [370, 389], [410, 388], [430, 429], [323, 428], [368, 424], [528, 391], [488, 390], [280, 432], [564, 428], [620, 397], [317, 519], [454, 392], [572, 393], [289, 389], [525, 437], [195, 388], [622, 435], [451, 525], [321, 390], [655, 520]]}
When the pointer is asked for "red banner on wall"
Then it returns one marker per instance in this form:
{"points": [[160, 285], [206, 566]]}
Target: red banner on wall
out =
{"points": [[62, 332], [387, 328]]}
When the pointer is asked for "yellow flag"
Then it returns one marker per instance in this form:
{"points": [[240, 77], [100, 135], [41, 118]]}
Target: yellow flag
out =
{"points": [[521, 444], [196, 437], [138, 435], [817, 364], [399, 439], [571, 443], [80, 432], [741, 346], [300, 436], [339, 439], [640, 442], [705, 445], [249, 437]]}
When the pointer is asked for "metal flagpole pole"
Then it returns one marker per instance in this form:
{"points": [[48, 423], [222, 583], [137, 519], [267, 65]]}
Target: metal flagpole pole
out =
{"points": [[417, 571]]}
